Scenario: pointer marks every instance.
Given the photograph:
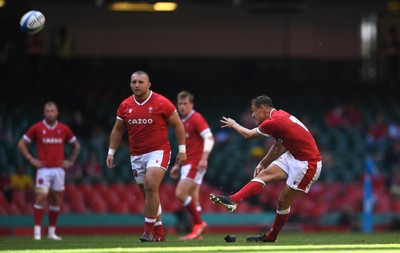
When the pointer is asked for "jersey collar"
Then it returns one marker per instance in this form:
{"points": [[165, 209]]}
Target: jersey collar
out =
{"points": [[144, 102], [188, 116], [270, 114], [48, 126]]}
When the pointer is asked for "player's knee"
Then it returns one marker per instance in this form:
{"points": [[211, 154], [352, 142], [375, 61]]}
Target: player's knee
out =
{"points": [[40, 199], [150, 188]]}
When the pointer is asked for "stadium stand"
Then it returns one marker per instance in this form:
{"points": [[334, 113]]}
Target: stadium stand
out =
{"points": [[340, 185]]}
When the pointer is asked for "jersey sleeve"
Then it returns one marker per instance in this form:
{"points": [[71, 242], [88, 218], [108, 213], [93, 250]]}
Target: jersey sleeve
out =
{"points": [[264, 128], [120, 112], [70, 136], [30, 135], [202, 125], [169, 108]]}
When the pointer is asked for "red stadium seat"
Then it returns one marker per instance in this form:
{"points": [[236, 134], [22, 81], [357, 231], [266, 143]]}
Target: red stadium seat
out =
{"points": [[13, 209], [3, 209], [396, 206], [3, 200]]}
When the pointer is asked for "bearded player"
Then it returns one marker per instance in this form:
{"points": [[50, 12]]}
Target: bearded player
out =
{"points": [[50, 136]]}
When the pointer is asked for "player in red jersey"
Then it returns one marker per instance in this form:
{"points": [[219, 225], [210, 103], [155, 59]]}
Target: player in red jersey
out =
{"points": [[146, 116], [199, 142], [50, 136], [294, 157]]}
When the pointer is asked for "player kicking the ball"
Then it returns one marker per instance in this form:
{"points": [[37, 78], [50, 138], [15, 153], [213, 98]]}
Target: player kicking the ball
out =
{"points": [[294, 158]]}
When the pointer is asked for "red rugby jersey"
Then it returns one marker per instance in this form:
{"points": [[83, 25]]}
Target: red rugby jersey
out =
{"points": [[146, 123], [292, 133], [195, 127], [50, 141]]}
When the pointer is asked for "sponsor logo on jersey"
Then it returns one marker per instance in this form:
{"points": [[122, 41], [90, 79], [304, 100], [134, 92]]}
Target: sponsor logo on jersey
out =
{"points": [[52, 140], [140, 121]]}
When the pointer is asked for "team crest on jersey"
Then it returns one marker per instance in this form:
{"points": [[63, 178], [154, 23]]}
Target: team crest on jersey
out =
{"points": [[44, 132], [40, 181], [294, 182], [130, 110], [150, 110], [59, 131], [134, 172]]}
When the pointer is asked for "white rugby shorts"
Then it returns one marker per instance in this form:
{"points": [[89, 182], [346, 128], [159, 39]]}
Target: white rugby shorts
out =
{"points": [[189, 172], [50, 178], [140, 163], [301, 174]]}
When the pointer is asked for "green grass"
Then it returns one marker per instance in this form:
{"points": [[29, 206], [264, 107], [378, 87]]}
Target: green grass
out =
{"points": [[288, 242]]}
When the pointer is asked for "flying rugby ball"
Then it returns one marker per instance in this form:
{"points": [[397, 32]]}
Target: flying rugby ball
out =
{"points": [[32, 22]]}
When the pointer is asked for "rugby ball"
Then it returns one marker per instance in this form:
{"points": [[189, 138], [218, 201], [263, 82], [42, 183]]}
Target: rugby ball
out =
{"points": [[32, 22]]}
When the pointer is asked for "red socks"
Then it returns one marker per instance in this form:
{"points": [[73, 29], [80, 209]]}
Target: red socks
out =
{"points": [[251, 188], [37, 215], [281, 218], [149, 224], [191, 207], [54, 211]]}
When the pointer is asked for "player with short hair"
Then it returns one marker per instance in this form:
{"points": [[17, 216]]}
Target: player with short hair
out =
{"points": [[294, 157], [50, 137], [146, 116], [199, 142]]}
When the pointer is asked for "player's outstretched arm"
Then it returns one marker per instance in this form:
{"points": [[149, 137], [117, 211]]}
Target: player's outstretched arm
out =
{"points": [[115, 139], [244, 132]]}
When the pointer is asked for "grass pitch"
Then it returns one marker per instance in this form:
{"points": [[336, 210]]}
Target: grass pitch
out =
{"points": [[287, 242]]}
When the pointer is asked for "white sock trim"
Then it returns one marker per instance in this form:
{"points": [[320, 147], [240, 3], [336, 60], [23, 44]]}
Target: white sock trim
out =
{"points": [[54, 208], [259, 181], [158, 223], [199, 209], [159, 212], [149, 220], [37, 206], [283, 211], [187, 201]]}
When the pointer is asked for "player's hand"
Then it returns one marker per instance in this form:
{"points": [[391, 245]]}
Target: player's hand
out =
{"points": [[180, 158], [227, 122], [36, 163], [203, 165], [110, 161], [174, 173], [66, 164], [257, 170]]}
